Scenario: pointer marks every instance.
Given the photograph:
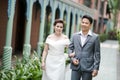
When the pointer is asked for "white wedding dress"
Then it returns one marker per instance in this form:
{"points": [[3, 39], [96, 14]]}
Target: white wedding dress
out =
{"points": [[55, 61]]}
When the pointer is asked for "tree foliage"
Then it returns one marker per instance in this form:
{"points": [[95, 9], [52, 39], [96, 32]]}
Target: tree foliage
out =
{"points": [[115, 7]]}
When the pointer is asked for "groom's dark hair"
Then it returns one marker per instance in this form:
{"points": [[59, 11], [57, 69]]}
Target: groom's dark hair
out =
{"points": [[89, 18]]}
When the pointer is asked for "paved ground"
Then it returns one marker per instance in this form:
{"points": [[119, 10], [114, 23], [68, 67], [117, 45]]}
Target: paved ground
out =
{"points": [[109, 59], [110, 62]]}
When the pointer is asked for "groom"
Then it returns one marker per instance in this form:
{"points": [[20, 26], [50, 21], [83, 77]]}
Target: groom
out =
{"points": [[84, 51]]}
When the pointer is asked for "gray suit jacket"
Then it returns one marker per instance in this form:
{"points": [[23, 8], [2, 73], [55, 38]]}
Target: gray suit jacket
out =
{"points": [[88, 54]]}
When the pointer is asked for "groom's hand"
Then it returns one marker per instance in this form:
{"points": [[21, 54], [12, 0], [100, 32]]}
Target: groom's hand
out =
{"points": [[94, 73], [75, 61]]}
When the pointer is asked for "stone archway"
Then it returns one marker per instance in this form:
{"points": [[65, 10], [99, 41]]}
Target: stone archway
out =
{"points": [[57, 14], [76, 19], [65, 20], [47, 21], [71, 19], [36, 13], [19, 26]]}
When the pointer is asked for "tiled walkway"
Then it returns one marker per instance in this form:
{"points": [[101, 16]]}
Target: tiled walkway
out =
{"points": [[109, 59]]}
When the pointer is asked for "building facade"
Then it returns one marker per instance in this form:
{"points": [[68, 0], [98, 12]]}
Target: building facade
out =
{"points": [[26, 24], [102, 15]]}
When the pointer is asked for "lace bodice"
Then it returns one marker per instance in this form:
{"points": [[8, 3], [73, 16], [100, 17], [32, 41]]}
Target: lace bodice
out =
{"points": [[57, 47]]}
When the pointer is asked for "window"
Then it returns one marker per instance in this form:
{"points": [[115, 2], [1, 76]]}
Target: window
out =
{"points": [[96, 4], [87, 3]]}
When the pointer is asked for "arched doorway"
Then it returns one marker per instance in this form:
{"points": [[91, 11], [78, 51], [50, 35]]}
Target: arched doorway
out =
{"points": [[57, 14], [65, 21], [70, 29], [35, 25], [19, 26], [76, 22], [47, 21]]}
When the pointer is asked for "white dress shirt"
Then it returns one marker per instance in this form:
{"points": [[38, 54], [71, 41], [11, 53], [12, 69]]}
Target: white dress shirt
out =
{"points": [[84, 37]]}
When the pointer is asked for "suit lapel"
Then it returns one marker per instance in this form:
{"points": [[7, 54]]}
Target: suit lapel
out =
{"points": [[79, 39], [88, 38]]}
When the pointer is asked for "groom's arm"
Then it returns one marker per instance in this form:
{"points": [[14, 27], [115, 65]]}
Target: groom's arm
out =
{"points": [[71, 52], [96, 57], [97, 54], [71, 49], [71, 46]]}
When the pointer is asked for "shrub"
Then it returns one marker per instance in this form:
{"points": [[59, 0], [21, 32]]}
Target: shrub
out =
{"points": [[25, 69], [103, 37], [118, 38], [112, 35]]}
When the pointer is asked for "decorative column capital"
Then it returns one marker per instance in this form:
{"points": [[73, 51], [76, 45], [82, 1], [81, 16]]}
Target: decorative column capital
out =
{"points": [[11, 4], [29, 6]]}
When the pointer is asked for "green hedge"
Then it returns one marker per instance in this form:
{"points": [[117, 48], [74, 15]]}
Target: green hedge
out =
{"points": [[103, 37], [112, 35], [24, 69], [118, 38]]}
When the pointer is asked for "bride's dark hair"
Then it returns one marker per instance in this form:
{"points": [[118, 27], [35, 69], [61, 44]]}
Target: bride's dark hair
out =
{"points": [[58, 21]]}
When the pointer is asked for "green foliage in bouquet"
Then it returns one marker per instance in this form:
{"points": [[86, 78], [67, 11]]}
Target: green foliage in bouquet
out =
{"points": [[67, 61], [67, 58]]}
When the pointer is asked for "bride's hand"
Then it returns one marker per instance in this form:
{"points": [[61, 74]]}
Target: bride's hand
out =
{"points": [[43, 65], [72, 55]]}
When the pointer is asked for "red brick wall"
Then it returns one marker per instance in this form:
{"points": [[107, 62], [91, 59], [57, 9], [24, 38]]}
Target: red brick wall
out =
{"points": [[3, 23], [14, 26], [19, 25]]}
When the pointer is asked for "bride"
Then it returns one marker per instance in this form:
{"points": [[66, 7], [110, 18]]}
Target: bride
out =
{"points": [[53, 59]]}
